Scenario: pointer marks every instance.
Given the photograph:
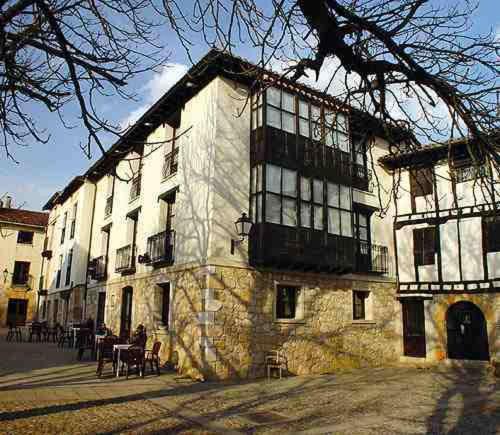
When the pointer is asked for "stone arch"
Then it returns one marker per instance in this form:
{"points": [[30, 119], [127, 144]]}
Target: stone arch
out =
{"points": [[467, 333]]}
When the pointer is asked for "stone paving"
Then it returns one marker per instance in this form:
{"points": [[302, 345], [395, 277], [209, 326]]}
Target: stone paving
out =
{"points": [[43, 390]]}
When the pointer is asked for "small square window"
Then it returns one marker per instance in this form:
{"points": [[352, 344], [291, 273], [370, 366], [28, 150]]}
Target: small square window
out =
{"points": [[359, 299], [287, 302], [25, 237]]}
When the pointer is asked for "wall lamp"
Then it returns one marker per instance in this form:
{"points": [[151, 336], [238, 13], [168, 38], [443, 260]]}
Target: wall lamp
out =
{"points": [[243, 226]]}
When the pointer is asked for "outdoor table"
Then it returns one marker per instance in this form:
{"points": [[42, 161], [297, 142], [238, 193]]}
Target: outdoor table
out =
{"points": [[116, 350]]}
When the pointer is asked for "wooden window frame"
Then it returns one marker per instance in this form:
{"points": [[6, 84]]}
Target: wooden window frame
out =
{"points": [[491, 233], [22, 240], [421, 182], [279, 306], [359, 299], [423, 254], [21, 273]]}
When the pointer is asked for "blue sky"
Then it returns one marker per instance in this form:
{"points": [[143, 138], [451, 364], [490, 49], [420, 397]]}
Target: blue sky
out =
{"points": [[45, 168]]}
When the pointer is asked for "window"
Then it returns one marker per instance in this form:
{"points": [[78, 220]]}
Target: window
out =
{"points": [[491, 234], [281, 195], [257, 110], [63, 229], [58, 274], [339, 210], [165, 304], [256, 194], [25, 237], [287, 302], [108, 209], [68, 267], [424, 246], [21, 273], [421, 182], [280, 109], [73, 221], [359, 299], [171, 158]]}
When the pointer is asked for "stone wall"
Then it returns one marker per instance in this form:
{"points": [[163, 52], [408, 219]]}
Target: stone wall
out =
{"points": [[222, 320]]}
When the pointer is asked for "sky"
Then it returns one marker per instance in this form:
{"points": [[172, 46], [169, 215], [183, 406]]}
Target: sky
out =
{"points": [[46, 168]]}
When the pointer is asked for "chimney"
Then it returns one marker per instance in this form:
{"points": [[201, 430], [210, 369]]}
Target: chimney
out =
{"points": [[7, 202]]}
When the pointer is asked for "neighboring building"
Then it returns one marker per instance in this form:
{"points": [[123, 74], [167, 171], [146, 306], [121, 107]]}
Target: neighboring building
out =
{"points": [[21, 241], [447, 231], [316, 276], [66, 252]]}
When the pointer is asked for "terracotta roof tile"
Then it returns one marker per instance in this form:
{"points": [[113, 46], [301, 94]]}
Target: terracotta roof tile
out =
{"points": [[26, 217]]}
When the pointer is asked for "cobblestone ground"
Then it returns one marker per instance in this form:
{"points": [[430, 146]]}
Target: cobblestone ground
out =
{"points": [[43, 390]]}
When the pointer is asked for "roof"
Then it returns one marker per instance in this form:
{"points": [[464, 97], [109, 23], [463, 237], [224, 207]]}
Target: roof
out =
{"points": [[61, 196], [23, 217], [431, 153]]}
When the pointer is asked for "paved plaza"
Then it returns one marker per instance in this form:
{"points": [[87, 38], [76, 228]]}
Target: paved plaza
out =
{"points": [[44, 390]]}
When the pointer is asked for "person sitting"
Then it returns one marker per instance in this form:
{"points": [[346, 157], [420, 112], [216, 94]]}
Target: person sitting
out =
{"points": [[139, 337]]}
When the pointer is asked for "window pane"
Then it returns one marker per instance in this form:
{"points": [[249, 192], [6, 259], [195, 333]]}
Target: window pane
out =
{"points": [[273, 208], [303, 109], [304, 127], [254, 119], [316, 131], [273, 117], [259, 178], [273, 96], [318, 191], [343, 141], [315, 112], [289, 182], [342, 122], [333, 221], [318, 217], [362, 219], [346, 223], [288, 122], [253, 216], [259, 209], [273, 178], [286, 302], [305, 214], [259, 116], [363, 234], [345, 197], [254, 180], [329, 120], [288, 102], [329, 142], [305, 188], [289, 212], [333, 195]]}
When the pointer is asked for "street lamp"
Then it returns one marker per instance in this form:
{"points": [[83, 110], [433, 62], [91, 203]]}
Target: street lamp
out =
{"points": [[243, 226]]}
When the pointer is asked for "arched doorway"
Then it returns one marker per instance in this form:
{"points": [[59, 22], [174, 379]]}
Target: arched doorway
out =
{"points": [[467, 333]]}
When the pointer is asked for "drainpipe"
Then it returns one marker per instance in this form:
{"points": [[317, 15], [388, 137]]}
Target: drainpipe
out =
{"points": [[88, 254]]}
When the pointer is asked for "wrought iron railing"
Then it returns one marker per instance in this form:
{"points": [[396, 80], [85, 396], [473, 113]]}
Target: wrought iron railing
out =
{"points": [[170, 163], [135, 187], [124, 258], [108, 208], [161, 247], [99, 268], [372, 258]]}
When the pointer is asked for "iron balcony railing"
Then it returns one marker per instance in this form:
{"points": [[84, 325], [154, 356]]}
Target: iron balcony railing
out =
{"points": [[372, 258], [135, 187], [170, 163], [161, 247], [99, 268], [125, 258], [108, 208]]}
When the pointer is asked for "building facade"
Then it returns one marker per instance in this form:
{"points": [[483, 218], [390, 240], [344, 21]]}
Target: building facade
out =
{"points": [[448, 254], [21, 241], [314, 277]]}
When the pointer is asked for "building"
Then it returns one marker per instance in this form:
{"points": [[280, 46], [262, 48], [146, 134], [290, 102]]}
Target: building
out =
{"points": [[66, 252], [448, 253], [315, 277], [21, 241]]}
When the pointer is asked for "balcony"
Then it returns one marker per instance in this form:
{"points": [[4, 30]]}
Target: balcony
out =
{"points": [[98, 268], [170, 164], [108, 208], [300, 249], [161, 248], [135, 188], [311, 158], [125, 260], [46, 252], [372, 258]]}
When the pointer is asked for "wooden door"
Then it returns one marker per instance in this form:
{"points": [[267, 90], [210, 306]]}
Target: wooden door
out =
{"points": [[126, 313], [413, 328]]}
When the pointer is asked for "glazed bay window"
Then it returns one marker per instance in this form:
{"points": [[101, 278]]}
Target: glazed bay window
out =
{"points": [[339, 210], [256, 194], [257, 110], [280, 109], [281, 196]]}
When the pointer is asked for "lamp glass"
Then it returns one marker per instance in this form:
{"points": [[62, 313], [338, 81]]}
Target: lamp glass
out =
{"points": [[243, 225]]}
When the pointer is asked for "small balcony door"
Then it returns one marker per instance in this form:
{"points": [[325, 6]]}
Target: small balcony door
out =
{"points": [[413, 327], [362, 236], [126, 312]]}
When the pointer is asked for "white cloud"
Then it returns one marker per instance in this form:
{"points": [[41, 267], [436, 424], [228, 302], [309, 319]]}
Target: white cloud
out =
{"points": [[160, 83]]}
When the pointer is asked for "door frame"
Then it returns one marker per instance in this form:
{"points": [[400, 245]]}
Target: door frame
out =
{"points": [[126, 311], [414, 333]]}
